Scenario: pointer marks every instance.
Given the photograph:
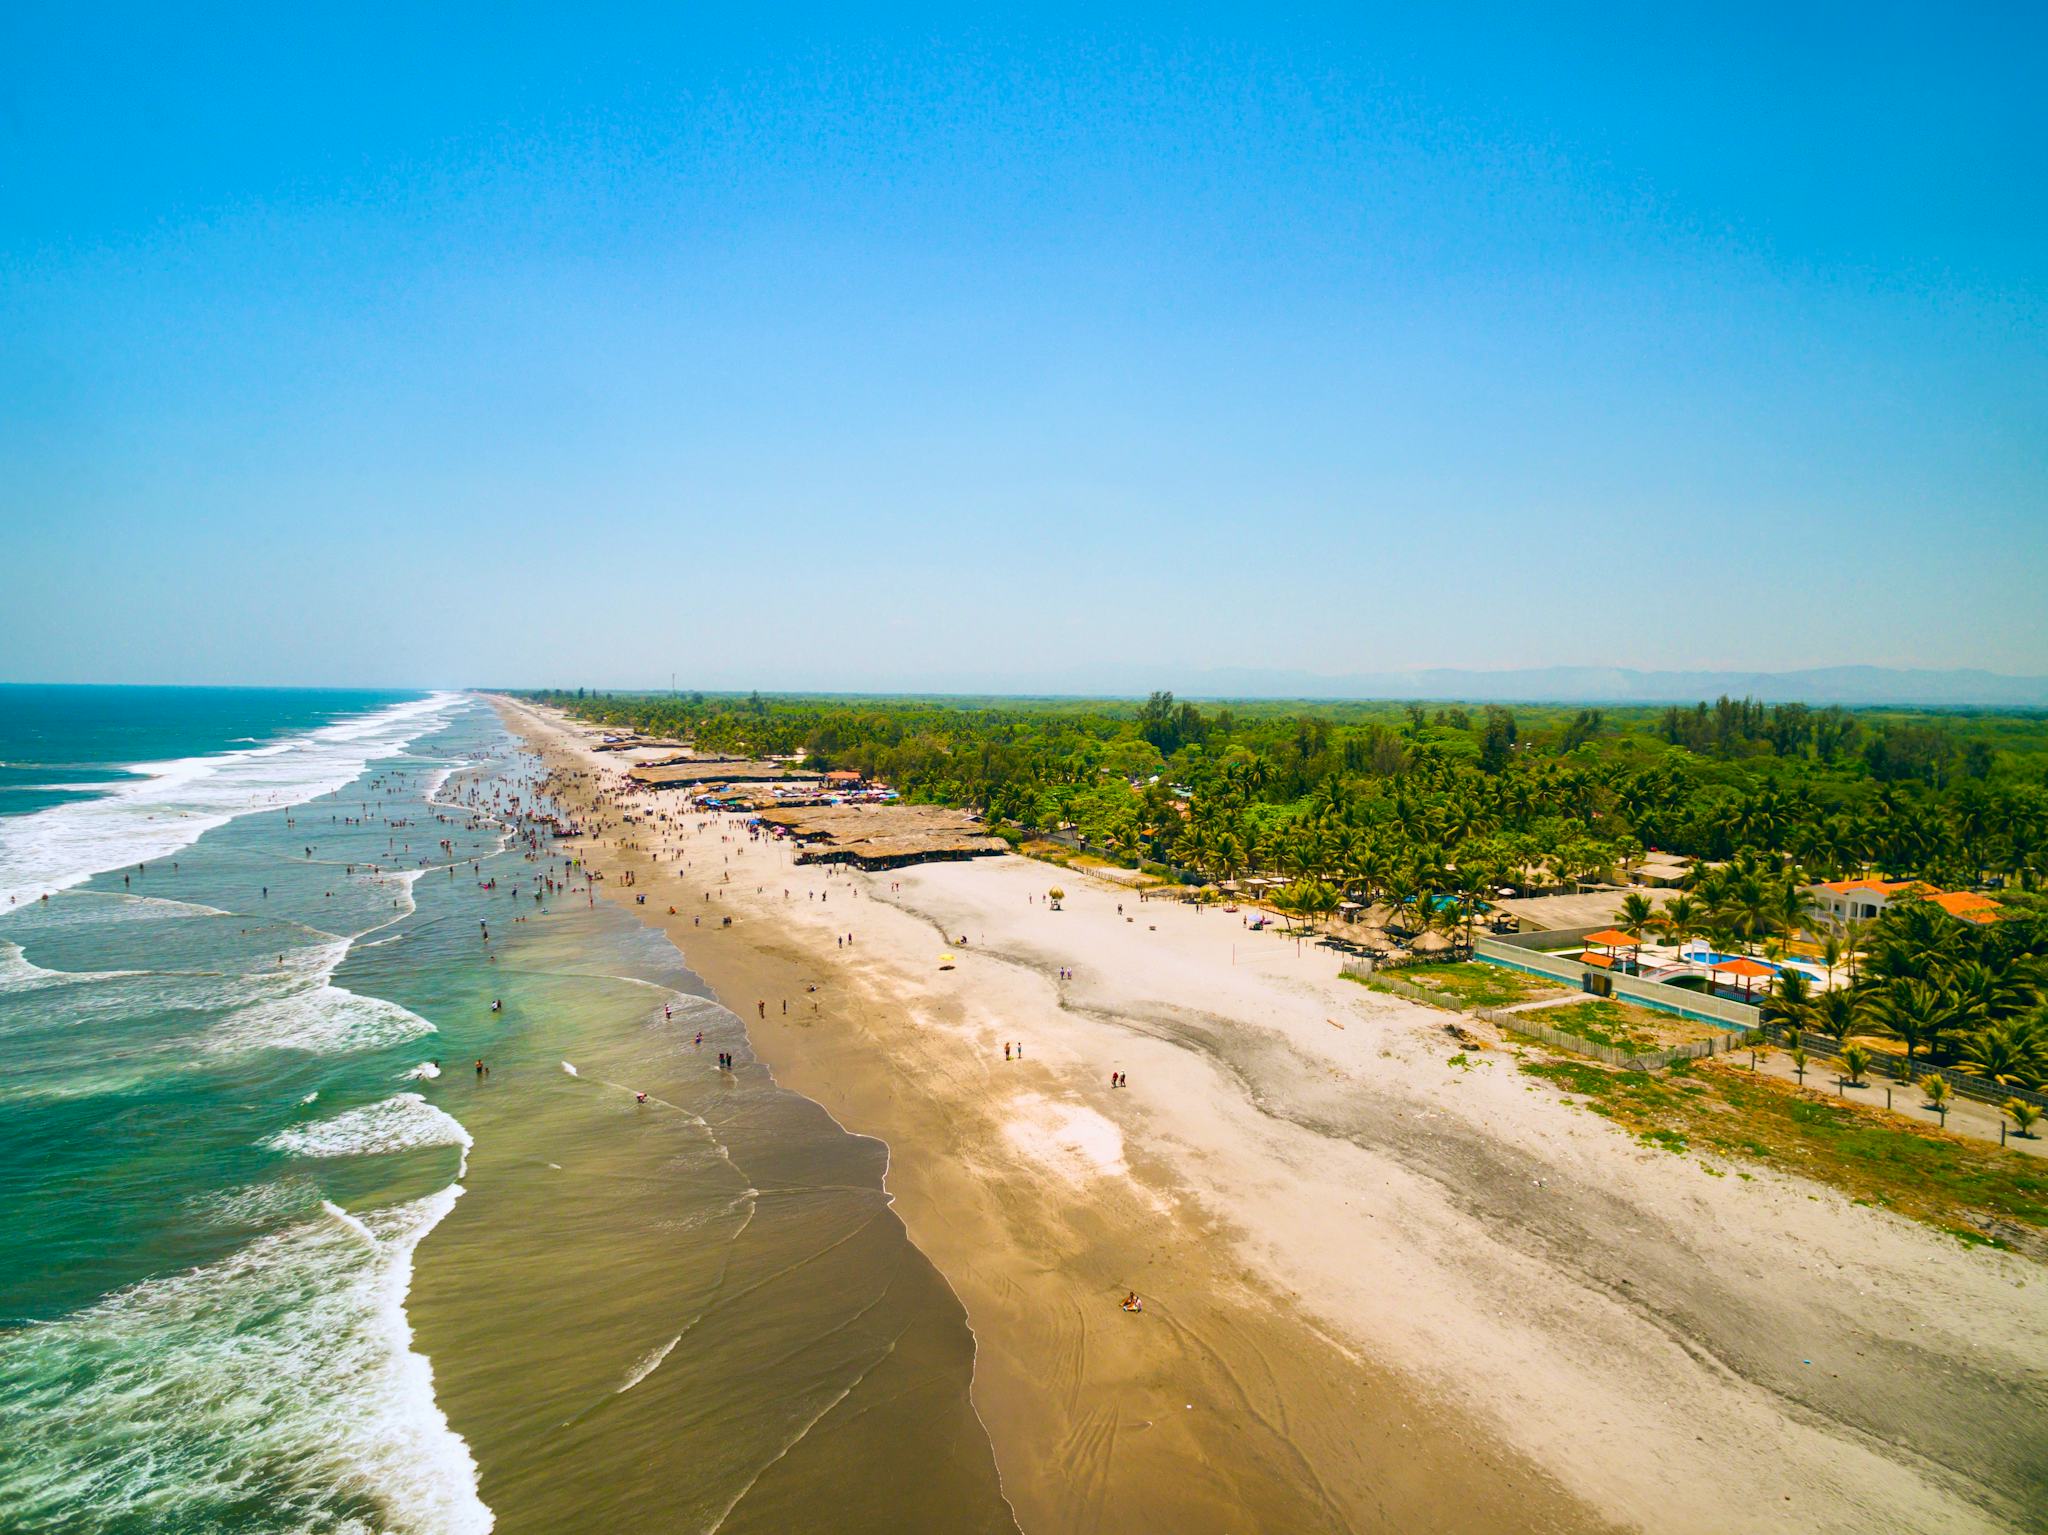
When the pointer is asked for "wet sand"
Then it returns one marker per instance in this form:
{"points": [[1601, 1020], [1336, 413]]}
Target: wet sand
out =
{"points": [[1383, 1291], [690, 1313]]}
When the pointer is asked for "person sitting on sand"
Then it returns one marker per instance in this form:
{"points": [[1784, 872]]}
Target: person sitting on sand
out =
{"points": [[1132, 1303]]}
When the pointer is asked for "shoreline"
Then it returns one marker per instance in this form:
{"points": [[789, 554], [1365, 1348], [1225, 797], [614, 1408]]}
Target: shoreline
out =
{"points": [[1323, 1376], [1092, 1427]]}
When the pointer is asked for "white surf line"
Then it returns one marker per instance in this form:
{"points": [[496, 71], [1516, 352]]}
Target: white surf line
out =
{"points": [[173, 803], [648, 1364], [349, 1221], [153, 900]]}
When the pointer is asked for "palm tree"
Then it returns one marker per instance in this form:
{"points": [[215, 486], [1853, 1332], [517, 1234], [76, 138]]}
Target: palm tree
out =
{"points": [[1831, 952], [1637, 917], [2012, 1054], [1915, 1014], [1680, 918], [2024, 1116], [1851, 929], [1742, 904], [1983, 994], [1799, 1064], [1789, 1001], [1836, 1014], [1937, 1089], [1856, 1061], [1788, 905], [1307, 899]]}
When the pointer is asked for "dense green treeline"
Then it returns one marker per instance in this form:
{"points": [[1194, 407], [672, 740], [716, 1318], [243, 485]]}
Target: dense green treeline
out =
{"points": [[1531, 795], [1406, 805]]}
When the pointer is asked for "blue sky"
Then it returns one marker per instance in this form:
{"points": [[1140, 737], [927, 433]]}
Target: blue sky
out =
{"points": [[372, 347]]}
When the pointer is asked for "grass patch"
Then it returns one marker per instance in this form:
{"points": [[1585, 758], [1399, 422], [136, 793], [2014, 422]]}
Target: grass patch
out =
{"points": [[1956, 1185], [1468, 985], [1617, 1025]]}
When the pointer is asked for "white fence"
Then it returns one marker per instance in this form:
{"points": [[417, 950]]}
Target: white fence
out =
{"points": [[1697, 1006], [1530, 1023]]}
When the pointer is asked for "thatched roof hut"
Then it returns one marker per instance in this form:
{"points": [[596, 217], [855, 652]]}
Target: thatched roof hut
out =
{"points": [[883, 836]]}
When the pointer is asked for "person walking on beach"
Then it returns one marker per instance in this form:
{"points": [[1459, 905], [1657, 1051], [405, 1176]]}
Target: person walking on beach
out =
{"points": [[1006, 1049]]}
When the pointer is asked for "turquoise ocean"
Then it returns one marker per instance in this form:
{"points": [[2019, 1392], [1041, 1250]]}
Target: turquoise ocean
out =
{"points": [[276, 1256]]}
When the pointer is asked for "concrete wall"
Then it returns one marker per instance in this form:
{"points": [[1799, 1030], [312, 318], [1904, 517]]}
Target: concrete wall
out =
{"points": [[1545, 939]]}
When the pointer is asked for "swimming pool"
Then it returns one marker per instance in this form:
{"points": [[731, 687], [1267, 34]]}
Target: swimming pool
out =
{"points": [[1706, 956]]}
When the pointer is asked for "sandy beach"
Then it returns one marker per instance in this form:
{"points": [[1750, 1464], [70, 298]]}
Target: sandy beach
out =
{"points": [[1390, 1282]]}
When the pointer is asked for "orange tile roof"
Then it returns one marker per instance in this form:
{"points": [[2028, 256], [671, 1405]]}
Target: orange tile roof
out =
{"points": [[1880, 886], [1746, 967], [1968, 905], [1598, 961], [1612, 938]]}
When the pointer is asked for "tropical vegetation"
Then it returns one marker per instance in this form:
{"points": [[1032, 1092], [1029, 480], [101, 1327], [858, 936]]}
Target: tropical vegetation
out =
{"points": [[1427, 811]]}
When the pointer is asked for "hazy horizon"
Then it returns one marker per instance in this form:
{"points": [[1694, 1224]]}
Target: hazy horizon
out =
{"points": [[1855, 686]]}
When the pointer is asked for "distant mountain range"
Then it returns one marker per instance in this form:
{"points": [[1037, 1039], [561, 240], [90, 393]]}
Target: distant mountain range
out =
{"points": [[1966, 688]]}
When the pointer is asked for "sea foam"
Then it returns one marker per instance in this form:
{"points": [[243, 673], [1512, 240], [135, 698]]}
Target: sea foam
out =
{"points": [[297, 1006], [281, 1378], [180, 800], [401, 1123], [324, 1020]]}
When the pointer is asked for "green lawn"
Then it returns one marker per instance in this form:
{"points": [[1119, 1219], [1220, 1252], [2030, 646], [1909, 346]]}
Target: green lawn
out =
{"points": [[1975, 1191], [1620, 1025], [1468, 985]]}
